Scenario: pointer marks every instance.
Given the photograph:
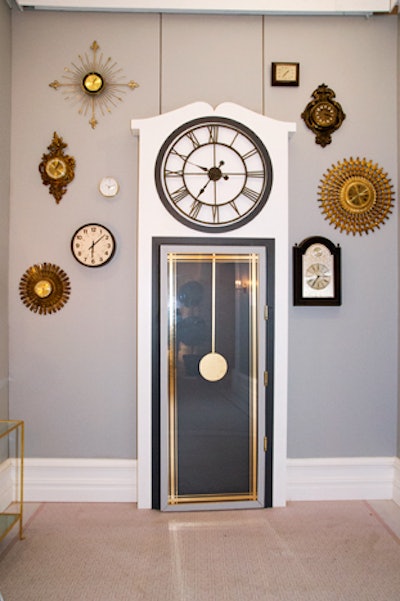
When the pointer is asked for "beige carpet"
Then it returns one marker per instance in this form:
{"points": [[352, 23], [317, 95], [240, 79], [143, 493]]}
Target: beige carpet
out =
{"points": [[310, 551]]}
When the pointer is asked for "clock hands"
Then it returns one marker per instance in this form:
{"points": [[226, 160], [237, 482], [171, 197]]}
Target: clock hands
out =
{"points": [[214, 175], [94, 242]]}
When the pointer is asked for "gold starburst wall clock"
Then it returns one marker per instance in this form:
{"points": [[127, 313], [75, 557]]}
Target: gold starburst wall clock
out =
{"points": [[356, 196], [44, 288], [94, 82]]}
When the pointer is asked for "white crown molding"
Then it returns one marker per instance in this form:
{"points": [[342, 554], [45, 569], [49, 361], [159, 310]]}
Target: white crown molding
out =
{"points": [[275, 7]]}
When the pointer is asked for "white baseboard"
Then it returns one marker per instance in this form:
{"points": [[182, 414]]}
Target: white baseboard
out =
{"points": [[80, 480], [114, 480], [341, 479], [396, 481]]}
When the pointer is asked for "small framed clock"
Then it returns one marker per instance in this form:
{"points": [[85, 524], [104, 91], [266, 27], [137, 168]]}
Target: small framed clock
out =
{"points": [[285, 74], [93, 245], [316, 272]]}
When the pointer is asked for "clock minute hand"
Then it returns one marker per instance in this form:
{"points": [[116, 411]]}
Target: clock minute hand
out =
{"points": [[98, 240], [184, 158]]}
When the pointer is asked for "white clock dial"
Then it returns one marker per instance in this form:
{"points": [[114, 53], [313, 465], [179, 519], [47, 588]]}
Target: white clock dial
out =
{"points": [[109, 187], [93, 245], [213, 174], [318, 276], [318, 272]]}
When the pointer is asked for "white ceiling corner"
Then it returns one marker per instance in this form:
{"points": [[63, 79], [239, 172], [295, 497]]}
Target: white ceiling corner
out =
{"points": [[272, 7]]}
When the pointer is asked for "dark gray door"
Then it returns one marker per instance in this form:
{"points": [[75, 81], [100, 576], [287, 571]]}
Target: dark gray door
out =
{"points": [[212, 377]]}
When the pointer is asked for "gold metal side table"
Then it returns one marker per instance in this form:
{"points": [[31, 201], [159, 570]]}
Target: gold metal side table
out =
{"points": [[12, 473]]}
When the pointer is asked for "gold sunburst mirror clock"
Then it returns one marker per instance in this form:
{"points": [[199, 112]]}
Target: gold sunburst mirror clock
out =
{"points": [[57, 168], [323, 115], [94, 82], [44, 288], [356, 196]]}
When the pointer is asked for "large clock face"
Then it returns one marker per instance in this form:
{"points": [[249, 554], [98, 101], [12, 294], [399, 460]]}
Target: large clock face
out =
{"points": [[213, 174]]}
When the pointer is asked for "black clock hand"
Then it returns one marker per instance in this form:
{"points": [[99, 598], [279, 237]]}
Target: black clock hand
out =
{"points": [[203, 188], [184, 158], [98, 240]]}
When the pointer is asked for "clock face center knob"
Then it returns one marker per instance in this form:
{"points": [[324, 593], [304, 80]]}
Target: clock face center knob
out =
{"points": [[215, 174]]}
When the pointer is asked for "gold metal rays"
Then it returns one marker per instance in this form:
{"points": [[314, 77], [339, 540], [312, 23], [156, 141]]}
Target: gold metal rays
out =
{"points": [[356, 195], [94, 83], [44, 288]]}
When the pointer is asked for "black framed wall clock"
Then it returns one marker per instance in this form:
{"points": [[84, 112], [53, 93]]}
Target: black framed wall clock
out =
{"points": [[316, 272], [93, 245], [213, 174], [285, 74]]}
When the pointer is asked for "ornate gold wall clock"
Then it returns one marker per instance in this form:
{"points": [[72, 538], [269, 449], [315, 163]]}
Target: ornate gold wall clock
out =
{"points": [[316, 272], [94, 83], [323, 115], [44, 288], [213, 174], [56, 168], [356, 196]]}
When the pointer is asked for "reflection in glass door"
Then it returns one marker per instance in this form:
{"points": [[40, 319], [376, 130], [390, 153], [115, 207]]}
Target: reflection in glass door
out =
{"points": [[212, 397]]}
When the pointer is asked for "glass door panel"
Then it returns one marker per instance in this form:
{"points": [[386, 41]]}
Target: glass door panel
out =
{"points": [[212, 420]]}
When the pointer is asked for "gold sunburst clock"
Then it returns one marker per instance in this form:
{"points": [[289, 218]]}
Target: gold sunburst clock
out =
{"points": [[44, 288], [94, 82], [356, 196], [56, 168]]}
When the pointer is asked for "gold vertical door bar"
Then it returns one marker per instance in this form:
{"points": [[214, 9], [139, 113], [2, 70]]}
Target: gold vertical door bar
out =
{"points": [[172, 416], [253, 413], [213, 304]]}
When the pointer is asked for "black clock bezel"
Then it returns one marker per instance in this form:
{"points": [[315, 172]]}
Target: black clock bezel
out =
{"points": [[298, 251], [205, 226]]}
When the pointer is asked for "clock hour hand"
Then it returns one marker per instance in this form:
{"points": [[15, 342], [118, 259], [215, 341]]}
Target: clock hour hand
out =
{"points": [[203, 188]]}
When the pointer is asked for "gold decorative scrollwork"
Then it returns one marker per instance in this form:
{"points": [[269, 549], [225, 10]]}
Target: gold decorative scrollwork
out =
{"points": [[56, 168], [323, 115], [356, 195], [94, 82], [44, 288]]}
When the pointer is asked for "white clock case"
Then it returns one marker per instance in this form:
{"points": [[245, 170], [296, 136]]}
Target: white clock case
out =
{"points": [[155, 221]]}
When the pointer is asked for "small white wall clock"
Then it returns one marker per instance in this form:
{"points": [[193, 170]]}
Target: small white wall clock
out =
{"points": [[108, 187]]}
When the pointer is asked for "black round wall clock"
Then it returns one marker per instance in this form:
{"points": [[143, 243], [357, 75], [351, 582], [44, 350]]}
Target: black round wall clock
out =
{"points": [[213, 174]]}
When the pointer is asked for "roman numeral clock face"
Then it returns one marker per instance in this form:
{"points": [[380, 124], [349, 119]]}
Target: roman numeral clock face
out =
{"points": [[213, 174]]}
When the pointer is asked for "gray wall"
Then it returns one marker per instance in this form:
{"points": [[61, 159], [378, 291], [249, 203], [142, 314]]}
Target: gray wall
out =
{"points": [[5, 128], [72, 373], [398, 179]]}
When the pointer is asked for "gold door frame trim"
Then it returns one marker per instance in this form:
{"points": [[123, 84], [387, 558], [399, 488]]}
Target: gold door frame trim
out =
{"points": [[252, 259]]}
